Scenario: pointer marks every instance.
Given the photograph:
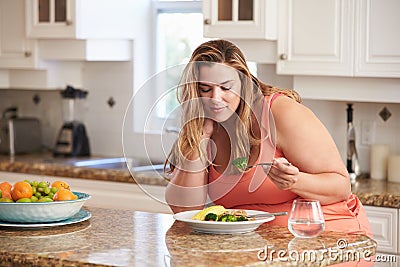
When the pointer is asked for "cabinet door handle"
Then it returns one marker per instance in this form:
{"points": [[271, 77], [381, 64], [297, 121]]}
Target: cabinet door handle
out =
{"points": [[27, 53], [207, 21], [283, 57]]}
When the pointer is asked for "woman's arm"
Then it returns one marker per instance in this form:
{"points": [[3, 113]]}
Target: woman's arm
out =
{"points": [[318, 171], [187, 189]]}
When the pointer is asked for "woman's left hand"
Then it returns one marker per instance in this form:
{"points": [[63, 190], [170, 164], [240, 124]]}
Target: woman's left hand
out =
{"points": [[282, 173]]}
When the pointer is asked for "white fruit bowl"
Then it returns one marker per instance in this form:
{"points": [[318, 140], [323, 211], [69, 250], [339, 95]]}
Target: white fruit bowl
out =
{"points": [[34, 212]]}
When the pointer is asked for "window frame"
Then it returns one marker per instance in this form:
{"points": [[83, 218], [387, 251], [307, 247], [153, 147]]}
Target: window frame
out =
{"points": [[194, 6]]}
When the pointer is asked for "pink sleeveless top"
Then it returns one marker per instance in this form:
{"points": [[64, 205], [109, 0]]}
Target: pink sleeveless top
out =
{"points": [[253, 190], [253, 187]]}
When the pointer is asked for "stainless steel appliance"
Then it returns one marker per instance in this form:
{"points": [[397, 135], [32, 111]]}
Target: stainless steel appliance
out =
{"points": [[19, 135], [72, 140]]}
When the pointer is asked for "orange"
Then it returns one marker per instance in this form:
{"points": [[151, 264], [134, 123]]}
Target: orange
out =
{"points": [[5, 188], [64, 194], [20, 190], [60, 184]]}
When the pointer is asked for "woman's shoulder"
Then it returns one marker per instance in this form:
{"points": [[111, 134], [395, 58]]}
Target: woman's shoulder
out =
{"points": [[280, 100], [287, 109]]}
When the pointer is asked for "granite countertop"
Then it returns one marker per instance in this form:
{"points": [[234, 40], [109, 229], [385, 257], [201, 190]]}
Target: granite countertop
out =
{"points": [[380, 193], [132, 238], [370, 192], [46, 164]]}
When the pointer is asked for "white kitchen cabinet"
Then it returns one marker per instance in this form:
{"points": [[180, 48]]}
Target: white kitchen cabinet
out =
{"points": [[240, 19], [86, 50], [377, 44], [315, 37], [81, 19], [16, 50], [88, 30], [385, 228], [339, 38], [51, 18], [114, 195]]}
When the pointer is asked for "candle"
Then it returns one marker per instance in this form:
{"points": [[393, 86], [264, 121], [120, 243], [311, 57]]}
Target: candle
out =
{"points": [[379, 161], [394, 169]]}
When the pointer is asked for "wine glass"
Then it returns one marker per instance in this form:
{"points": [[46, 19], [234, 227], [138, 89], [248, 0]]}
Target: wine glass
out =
{"points": [[306, 219]]}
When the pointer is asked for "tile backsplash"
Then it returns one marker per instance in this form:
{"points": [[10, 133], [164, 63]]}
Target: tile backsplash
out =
{"points": [[48, 109], [103, 81], [333, 115]]}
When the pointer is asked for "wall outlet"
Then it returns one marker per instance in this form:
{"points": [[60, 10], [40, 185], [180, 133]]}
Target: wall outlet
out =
{"points": [[368, 132]]}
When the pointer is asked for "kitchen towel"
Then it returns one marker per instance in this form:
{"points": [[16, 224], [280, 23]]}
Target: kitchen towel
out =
{"points": [[379, 161], [394, 169]]}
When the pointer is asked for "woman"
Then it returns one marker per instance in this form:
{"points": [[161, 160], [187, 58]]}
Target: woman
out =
{"points": [[227, 114]]}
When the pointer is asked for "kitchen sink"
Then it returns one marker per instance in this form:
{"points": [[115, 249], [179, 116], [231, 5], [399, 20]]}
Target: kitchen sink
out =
{"points": [[119, 163]]}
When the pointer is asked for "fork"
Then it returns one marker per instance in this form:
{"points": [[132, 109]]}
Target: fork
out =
{"points": [[258, 216], [266, 164]]}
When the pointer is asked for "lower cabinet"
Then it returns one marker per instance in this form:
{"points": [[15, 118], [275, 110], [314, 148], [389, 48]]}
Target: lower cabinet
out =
{"points": [[115, 195], [385, 227]]}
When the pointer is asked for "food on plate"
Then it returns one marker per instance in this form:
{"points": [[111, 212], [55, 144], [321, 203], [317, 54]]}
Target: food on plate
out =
{"points": [[220, 214], [201, 215], [211, 217], [34, 191], [240, 163]]}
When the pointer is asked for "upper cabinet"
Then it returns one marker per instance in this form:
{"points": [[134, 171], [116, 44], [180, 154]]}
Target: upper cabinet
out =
{"points": [[16, 50], [80, 19], [377, 44], [51, 18], [90, 30], [240, 19], [339, 38]]}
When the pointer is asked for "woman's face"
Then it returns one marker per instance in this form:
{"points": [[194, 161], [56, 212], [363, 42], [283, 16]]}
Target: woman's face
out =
{"points": [[219, 88]]}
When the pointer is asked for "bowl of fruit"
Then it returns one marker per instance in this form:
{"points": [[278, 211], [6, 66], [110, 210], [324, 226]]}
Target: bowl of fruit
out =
{"points": [[39, 202]]}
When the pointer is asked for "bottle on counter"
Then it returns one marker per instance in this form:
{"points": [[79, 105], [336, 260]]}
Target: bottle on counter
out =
{"points": [[353, 166]]}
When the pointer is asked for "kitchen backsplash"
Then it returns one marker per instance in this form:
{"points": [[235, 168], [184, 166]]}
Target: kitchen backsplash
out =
{"points": [[47, 108], [333, 114], [106, 82], [109, 82]]}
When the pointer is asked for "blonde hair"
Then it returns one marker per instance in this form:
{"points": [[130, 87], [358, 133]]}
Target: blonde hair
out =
{"points": [[211, 52]]}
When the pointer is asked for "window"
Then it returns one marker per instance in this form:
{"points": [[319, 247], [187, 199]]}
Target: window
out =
{"points": [[179, 30]]}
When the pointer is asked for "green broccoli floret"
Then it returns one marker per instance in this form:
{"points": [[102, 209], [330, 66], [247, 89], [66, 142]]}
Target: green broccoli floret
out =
{"points": [[211, 217], [240, 163], [228, 218], [241, 218]]}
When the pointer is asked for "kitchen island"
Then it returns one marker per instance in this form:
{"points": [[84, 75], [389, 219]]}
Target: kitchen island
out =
{"points": [[132, 238]]}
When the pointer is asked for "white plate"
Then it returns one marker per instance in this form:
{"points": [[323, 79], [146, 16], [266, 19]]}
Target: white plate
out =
{"points": [[211, 227], [81, 216]]}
